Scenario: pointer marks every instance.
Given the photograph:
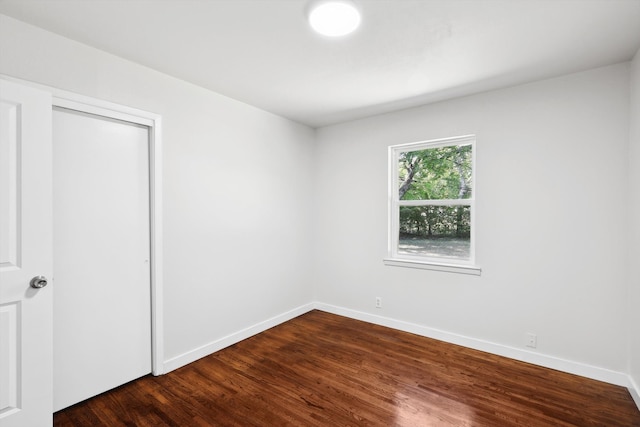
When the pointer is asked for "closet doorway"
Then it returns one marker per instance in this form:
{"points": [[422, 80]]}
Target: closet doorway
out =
{"points": [[102, 319]]}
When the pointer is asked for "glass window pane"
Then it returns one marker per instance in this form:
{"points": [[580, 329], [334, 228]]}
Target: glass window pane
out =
{"points": [[435, 173], [435, 231]]}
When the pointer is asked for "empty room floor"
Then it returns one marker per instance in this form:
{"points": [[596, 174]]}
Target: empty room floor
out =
{"points": [[321, 369]]}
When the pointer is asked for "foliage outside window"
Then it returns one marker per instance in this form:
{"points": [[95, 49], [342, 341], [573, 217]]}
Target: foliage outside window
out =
{"points": [[432, 201]]}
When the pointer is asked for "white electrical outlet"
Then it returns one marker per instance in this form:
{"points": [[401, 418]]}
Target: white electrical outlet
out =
{"points": [[531, 340], [378, 302]]}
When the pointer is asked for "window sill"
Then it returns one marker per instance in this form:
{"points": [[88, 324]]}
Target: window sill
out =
{"points": [[424, 265]]}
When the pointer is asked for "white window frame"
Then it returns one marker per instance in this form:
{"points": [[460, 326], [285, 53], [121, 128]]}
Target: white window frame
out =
{"points": [[394, 258]]}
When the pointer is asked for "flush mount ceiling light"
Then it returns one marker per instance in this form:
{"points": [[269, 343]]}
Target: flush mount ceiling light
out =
{"points": [[334, 18]]}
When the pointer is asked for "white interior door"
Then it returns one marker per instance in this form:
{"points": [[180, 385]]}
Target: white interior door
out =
{"points": [[25, 252], [102, 305]]}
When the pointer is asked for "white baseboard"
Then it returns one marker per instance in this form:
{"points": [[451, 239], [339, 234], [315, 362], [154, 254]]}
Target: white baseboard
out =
{"points": [[551, 362], [205, 350], [634, 390]]}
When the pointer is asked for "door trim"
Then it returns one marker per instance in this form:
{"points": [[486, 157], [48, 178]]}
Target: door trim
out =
{"points": [[153, 121]]}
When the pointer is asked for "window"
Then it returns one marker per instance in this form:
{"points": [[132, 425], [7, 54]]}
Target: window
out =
{"points": [[431, 205]]}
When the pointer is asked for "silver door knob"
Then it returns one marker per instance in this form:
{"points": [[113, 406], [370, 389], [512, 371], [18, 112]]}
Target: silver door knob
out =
{"points": [[38, 282]]}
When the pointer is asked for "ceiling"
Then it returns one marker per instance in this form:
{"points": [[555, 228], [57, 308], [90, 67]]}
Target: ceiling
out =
{"points": [[405, 53]]}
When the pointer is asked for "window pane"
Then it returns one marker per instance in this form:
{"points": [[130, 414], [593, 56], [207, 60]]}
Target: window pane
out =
{"points": [[435, 231], [435, 173]]}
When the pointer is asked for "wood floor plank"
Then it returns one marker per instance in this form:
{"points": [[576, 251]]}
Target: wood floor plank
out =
{"points": [[320, 369]]}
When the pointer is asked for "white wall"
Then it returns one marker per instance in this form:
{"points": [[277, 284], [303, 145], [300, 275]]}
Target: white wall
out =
{"points": [[551, 214], [634, 229], [236, 180]]}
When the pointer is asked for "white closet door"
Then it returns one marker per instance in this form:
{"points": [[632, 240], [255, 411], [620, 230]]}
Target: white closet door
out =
{"points": [[102, 302]]}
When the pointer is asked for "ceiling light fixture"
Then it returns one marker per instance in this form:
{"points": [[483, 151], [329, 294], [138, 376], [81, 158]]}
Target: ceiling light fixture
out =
{"points": [[334, 18]]}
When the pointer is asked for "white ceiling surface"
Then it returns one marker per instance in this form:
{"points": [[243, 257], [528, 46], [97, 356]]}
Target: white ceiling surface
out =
{"points": [[405, 53]]}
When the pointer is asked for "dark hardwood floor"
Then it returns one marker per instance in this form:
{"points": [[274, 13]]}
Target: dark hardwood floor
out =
{"points": [[325, 370]]}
